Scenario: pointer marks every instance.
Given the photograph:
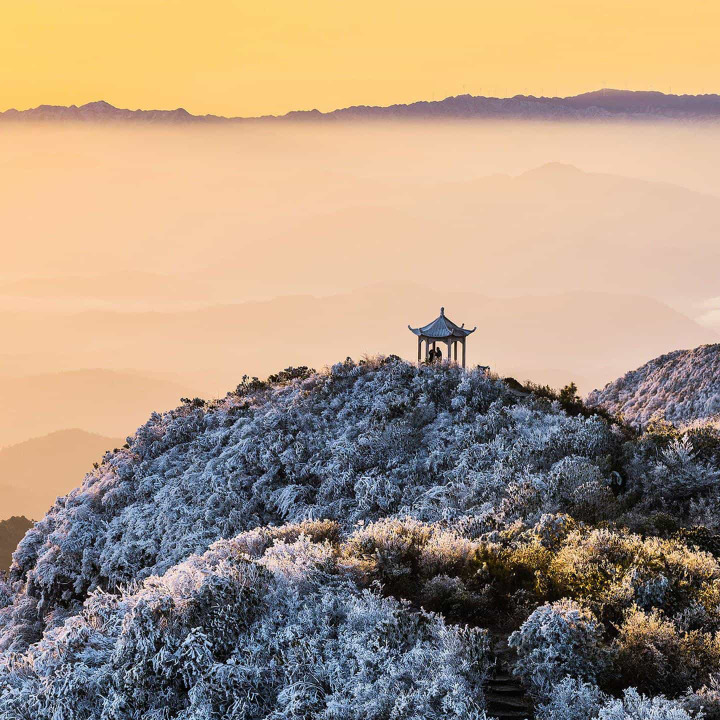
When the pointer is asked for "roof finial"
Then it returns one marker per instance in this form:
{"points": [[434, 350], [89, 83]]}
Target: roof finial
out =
{"points": [[442, 311]]}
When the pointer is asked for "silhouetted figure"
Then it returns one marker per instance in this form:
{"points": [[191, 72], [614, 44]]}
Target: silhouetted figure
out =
{"points": [[438, 355]]}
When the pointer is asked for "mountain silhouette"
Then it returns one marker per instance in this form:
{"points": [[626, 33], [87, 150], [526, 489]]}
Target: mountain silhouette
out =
{"points": [[35, 472], [596, 105]]}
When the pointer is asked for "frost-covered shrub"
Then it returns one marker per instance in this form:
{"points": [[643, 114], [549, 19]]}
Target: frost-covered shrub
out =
{"points": [[634, 706], [20, 622], [705, 512], [705, 700], [678, 474], [614, 570], [569, 475], [446, 551], [416, 560], [451, 597], [559, 639], [294, 561], [574, 700], [571, 699], [552, 529], [255, 542], [682, 386], [6, 593], [390, 547], [580, 487], [358, 443], [225, 636], [655, 655]]}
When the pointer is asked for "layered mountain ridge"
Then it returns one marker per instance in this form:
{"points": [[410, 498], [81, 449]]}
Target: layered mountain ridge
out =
{"points": [[597, 105]]}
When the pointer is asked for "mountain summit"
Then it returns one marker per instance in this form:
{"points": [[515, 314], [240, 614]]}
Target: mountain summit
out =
{"points": [[98, 111]]}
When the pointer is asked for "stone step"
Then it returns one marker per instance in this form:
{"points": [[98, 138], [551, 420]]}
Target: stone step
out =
{"points": [[502, 677], [505, 696], [521, 700], [508, 703], [505, 689], [512, 715]]}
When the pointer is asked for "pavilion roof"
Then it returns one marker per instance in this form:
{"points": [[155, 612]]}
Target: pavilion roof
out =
{"points": [[442, 327]]}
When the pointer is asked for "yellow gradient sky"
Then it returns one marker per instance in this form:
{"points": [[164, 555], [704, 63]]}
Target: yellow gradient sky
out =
{"points": [[238, 57]]}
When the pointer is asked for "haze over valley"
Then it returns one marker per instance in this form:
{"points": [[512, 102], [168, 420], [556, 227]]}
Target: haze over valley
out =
{"points": [[146, 264]]}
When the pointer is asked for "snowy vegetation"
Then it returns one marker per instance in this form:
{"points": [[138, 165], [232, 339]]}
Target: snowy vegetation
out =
{"points": [[248, 631], [336, 545], [680, 387]]}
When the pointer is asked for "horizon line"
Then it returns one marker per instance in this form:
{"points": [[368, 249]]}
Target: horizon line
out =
{"points": [[314, 111]]}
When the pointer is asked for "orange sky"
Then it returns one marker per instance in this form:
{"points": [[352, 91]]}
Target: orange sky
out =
{"points": [[242, 57]]}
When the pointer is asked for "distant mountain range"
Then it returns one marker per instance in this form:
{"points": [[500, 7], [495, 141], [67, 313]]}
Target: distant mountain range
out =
{"points": [[109, 402], [551, 229], [35, 472], [11, 532], [606, 104], [681, 386], [546, 338]]}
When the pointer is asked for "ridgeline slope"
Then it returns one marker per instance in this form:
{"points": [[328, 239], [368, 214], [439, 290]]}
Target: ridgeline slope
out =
{"points": [[681, 387], [361, 543]]}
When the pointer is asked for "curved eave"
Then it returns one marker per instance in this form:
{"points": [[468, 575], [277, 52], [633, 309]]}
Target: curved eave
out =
{"points": [[458, 333]]}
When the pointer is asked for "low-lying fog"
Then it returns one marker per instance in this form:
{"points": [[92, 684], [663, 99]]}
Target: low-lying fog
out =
{"points": [[187, 257]]}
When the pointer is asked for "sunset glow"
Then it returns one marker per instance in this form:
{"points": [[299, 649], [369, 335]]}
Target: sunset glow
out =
{"points": [[237, 57]]}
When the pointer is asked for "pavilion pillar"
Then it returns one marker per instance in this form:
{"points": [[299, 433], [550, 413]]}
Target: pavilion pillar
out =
{"points": [[419, 348], [463, 352], [455, 351], [449, 347]]}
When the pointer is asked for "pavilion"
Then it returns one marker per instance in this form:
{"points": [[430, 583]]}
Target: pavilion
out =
{"points": [[442, 329]]}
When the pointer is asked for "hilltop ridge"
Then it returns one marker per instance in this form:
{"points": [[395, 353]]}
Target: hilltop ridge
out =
{"points": [[367, 542], [681, 387]]}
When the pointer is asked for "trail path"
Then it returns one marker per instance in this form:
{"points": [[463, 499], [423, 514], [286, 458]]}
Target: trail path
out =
{"points": [[505, 695]]}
